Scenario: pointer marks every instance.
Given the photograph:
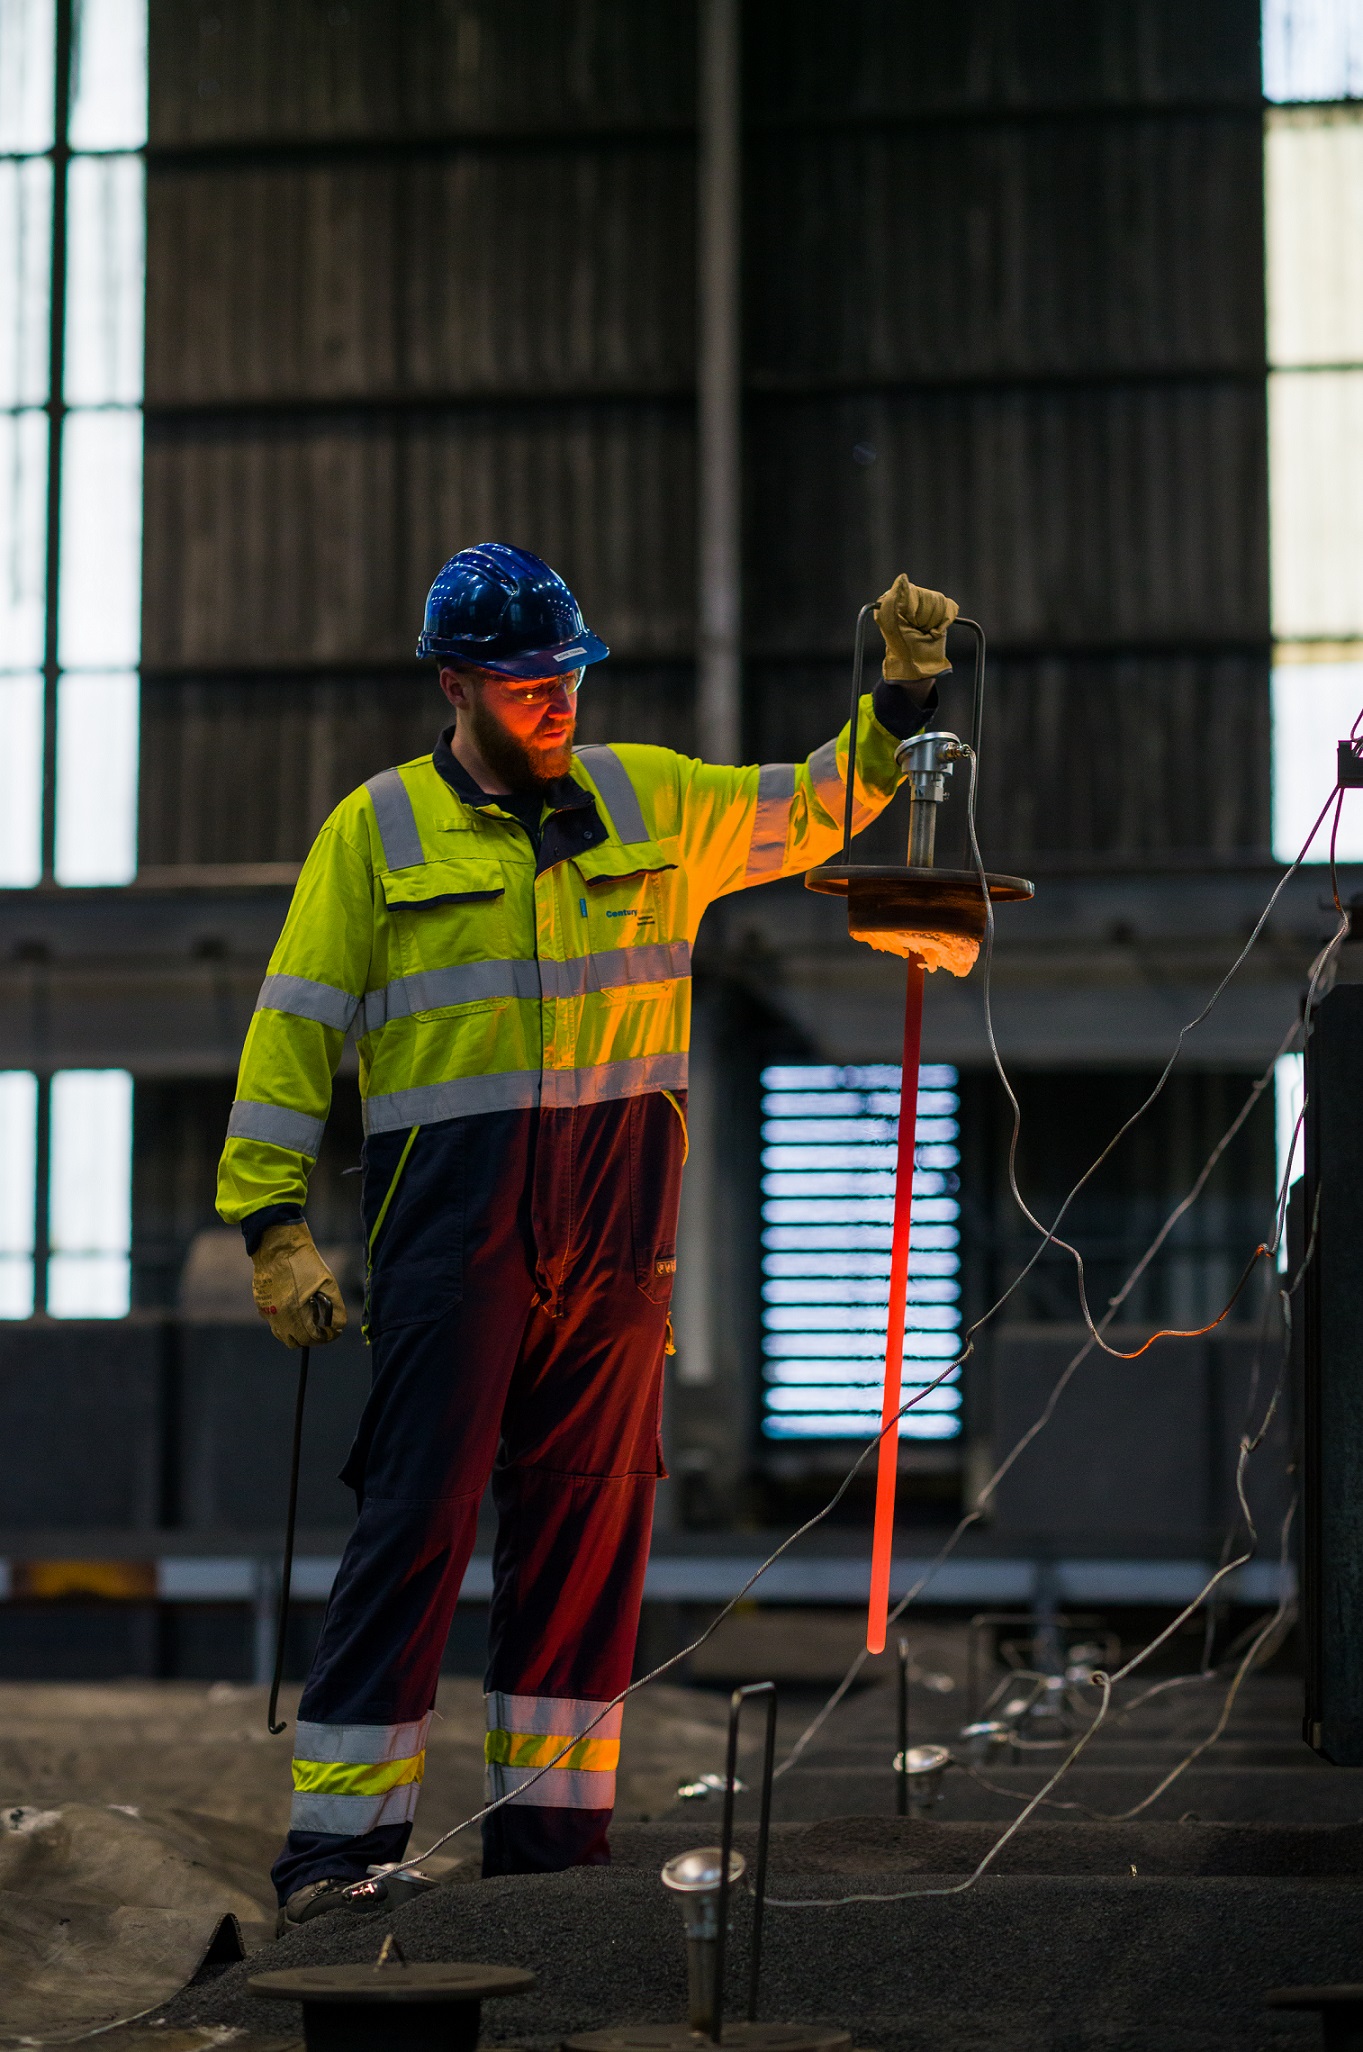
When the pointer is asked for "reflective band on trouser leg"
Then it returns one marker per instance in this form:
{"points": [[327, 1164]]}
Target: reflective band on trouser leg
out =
{"points": [[526, 1732], [350, 1778]]}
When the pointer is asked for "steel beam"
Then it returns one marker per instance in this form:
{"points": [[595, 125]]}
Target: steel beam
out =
{"points": [[719, 378]]}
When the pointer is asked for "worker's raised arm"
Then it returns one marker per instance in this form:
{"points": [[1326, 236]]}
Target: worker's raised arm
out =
{"points": [[750, 826], [317, 976]]}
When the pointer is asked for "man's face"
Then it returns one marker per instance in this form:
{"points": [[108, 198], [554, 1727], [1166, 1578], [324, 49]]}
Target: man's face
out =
{"points": [[522, 727]]}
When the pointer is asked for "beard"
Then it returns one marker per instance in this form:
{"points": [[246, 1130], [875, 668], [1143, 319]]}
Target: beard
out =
{"points": [[520, 767]]}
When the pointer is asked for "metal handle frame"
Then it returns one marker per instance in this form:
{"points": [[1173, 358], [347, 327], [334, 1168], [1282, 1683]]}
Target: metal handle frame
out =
{"points": [[320, 1307], [286, 1575], [736, 1702], [973, 628]]}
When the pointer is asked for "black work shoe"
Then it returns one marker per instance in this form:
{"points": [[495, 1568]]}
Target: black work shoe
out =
{"points": [[383, 1888]]}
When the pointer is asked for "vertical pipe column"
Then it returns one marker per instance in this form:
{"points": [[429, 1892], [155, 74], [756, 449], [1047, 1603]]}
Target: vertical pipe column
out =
{"points": [[56, 413], [42, 1184], [887, 1470], [719, 725]]}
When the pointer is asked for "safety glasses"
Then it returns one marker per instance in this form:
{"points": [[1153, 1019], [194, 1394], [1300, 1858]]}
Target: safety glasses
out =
{"points": [[542, 693]]}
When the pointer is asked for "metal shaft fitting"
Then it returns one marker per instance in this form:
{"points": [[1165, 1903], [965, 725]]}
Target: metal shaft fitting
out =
{"points": [[928, 760]]}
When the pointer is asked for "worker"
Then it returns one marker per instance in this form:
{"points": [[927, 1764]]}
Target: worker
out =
{"points": [[505, 925]]}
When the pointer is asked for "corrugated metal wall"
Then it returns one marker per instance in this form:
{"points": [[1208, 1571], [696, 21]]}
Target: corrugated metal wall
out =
{"points": [[1005, 325], [417, 277], [421, 275]]}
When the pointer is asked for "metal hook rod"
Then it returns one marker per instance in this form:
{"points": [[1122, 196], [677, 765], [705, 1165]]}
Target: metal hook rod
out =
{"points": [[286, 1577], [901, 1786], [858, 663], [974, 628], [726, 1843], [320, 1306]]}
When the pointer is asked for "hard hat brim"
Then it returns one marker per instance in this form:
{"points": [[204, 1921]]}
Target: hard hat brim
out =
{"points": [[528, 663]]}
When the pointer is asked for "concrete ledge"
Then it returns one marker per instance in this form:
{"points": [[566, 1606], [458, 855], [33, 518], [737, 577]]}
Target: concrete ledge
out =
{"points": [[674, 1578]]}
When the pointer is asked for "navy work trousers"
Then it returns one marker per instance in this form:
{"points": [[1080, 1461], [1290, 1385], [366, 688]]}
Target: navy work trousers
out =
{"points": [[518, 1315]]}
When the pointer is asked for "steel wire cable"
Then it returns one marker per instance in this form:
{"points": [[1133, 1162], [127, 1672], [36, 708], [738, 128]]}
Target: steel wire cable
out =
{"points": [[1260, 1634], [973, 1516], [1048, 1238]]}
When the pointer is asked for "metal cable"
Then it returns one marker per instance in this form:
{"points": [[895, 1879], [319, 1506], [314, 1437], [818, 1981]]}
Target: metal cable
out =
{"points": [[1095, 1338], [973, 1516]]}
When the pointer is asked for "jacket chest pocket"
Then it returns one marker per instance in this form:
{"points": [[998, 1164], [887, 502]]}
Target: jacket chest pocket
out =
{"points": [[632, 897], [450, 915]]}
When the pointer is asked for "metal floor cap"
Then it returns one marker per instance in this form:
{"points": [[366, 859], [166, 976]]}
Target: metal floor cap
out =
{"points": [[739, 2037], [417, 1981]]}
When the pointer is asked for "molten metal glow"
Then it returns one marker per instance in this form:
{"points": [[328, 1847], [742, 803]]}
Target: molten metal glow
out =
{"points": [[882, 1545]]}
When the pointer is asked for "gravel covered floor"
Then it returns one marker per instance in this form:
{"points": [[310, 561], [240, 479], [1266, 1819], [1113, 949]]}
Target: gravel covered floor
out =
{"points": [[1176, 1956], [1164, 1931]]}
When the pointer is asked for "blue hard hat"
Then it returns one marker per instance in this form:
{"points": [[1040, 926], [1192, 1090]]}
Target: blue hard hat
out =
{"points": [[507, 611]]}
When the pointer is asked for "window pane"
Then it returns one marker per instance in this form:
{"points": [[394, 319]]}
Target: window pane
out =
{"points": [[105, 281], [99, 607], [25, 273], [1315, 423], [28, 32], [97, 724], [108, 75], [90, 1194], [1314, 707], [18, 1167], [1313, 49], [23, 537], [1289, 1085], [1313, 172], [21, 781], [828, 1160]]}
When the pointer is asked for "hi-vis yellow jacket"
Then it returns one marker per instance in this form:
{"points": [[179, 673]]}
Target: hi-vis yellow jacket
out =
{"points": [[479, 978]]}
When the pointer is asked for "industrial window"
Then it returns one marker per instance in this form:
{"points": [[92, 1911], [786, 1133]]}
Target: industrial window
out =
{"points": [[1313, 170], [66, 1193], [1289, 1088], [828, 1175], [18, 1191], [73, 101]]}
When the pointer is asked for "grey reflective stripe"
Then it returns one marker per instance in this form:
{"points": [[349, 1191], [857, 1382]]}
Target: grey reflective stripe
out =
{"points": [[607, 1080], [615, 968], [830, 786], [520, 1090], [556, 1716], [304, 999], [277, 1125], [471, 982], [460, 1098], [361, 1745], [560, 1788], [612, 781], [823, 769], [396, 820], [462, 984], [771, 821], [346, 1816]]}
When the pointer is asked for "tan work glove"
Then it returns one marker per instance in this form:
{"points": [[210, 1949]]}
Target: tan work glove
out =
{"points": [[288, 1273], [914, 622]]}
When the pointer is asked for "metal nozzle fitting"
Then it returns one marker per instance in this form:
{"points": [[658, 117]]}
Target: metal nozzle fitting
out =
{"points": [[928, 760], [923, 1768], [694, 1876]]}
